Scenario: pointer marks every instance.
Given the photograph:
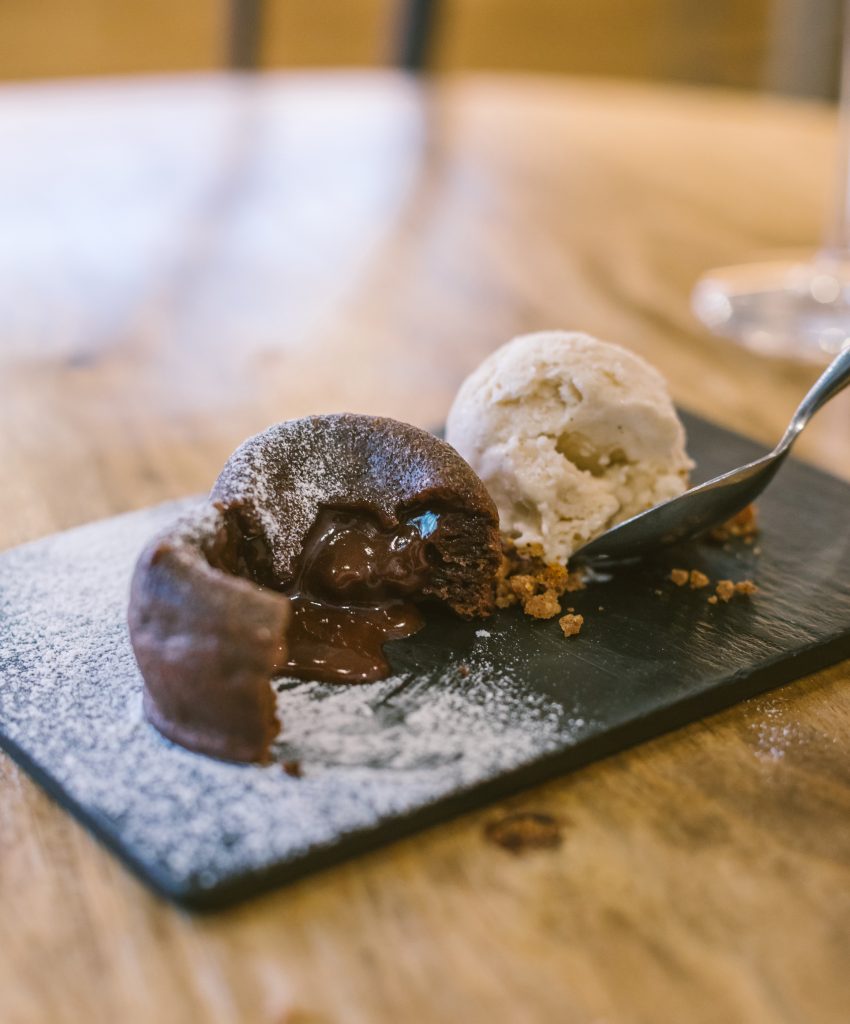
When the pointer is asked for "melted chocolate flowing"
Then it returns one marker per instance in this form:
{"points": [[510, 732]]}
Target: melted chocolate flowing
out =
{"points": [[352, 594]]}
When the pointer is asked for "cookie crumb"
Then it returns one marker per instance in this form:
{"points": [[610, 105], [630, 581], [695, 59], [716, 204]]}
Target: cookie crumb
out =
{"points": [[679, 576], [571, 624], [292, 768], [523, 831], [726, 589], [542, 606], [463, 670], [698, 579], [713, 599], [523, 586], [526, 578], [555, 577], [744, 524]]}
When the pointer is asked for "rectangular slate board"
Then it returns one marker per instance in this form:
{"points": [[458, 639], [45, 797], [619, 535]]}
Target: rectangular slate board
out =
{"points": [[473, 712]]}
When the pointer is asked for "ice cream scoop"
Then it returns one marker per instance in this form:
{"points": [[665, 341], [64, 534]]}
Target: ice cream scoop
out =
{"points": [[571, 436]]}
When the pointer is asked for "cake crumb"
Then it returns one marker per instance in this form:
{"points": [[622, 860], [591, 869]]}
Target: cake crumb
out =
{"points": [[679, 576], [698, 579], [744, 524], [726, 589], [571, 624], [523, 586], [555, 577], [542, 606], [526, 578], [524, 830], [713, 599]]}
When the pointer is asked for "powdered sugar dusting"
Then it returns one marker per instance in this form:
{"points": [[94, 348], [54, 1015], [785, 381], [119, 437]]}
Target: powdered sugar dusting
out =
{"points": [[774, 734], [436, 734], [70, 696]]}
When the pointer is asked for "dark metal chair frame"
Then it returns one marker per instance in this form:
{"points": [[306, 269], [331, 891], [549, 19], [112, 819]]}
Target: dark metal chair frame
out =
{"points": [[414, 42]]}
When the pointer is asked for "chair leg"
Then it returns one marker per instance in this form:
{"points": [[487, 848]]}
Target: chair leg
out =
{"points": [[416, 39], [244, 34]]}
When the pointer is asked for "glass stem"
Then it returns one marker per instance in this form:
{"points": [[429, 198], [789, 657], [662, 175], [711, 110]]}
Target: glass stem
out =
{"points": [[836, 245]]}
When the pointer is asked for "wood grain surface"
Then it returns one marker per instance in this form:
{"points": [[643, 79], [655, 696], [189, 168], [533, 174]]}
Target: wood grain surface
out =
{"points": [[186, 260]]}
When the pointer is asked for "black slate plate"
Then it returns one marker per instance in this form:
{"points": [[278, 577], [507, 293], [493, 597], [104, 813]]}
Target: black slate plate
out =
{"points": [[474, 711]]}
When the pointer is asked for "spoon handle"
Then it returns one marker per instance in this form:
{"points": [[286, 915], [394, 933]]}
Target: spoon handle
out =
{"points": [[834, 378]]}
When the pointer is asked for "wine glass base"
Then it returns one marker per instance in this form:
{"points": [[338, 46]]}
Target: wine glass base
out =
{"points": [[797, 310]]}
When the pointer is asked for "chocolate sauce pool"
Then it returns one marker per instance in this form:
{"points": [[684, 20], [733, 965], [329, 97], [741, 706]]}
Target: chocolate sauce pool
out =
{"points": [[352, 594]]}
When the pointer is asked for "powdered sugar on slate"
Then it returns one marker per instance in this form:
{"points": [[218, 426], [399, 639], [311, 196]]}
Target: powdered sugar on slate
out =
{"points": [[70, 697]]}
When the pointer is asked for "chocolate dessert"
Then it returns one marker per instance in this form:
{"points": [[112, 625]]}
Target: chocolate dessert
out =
{"points": [[321, 538]]}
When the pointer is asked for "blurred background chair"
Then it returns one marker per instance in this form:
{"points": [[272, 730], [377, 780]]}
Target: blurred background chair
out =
{"points": [[781, 45]]}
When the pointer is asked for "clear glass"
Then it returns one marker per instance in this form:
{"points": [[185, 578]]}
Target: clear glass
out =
{"points": [[797, 308]]}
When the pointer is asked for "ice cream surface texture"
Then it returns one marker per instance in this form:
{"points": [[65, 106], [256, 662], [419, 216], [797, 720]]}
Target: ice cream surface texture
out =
{"points": [[570, 435]]}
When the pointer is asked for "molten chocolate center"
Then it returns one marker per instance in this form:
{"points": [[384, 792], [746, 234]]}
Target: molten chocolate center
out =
{"points": [[352, 594]]}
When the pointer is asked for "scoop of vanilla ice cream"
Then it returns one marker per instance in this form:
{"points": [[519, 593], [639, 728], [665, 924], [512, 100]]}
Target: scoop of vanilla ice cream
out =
{"points": [[570, 435]]}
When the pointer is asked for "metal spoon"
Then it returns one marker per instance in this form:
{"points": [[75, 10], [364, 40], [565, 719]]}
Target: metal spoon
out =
{"points": [[715, 501]]}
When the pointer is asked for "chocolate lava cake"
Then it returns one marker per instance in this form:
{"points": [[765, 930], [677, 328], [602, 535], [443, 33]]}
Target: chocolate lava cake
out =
{"points": [[320, 539]]}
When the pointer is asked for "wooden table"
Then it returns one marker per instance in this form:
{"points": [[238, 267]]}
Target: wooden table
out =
{"points": [[186, 260]]}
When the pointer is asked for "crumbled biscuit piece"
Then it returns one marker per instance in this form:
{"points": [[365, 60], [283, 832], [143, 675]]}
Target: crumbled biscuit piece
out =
{"points": [[698, 579], [679, 576], [713, 599], [526, 578], [523, 831], [726, 589], [523, 586], [744, 524], [542, 606], [555, 577], [571, 624]]}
